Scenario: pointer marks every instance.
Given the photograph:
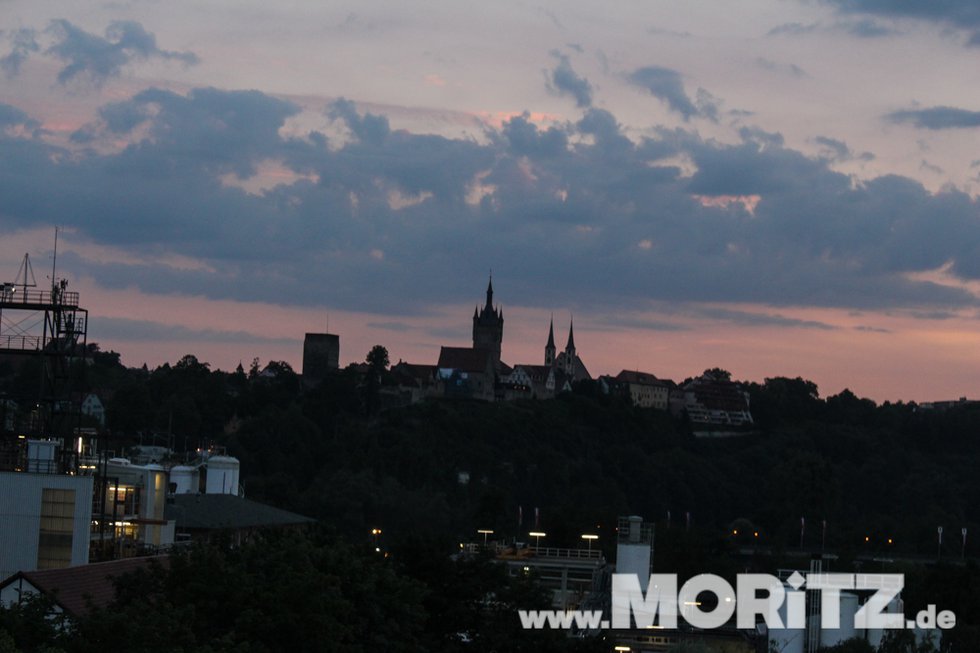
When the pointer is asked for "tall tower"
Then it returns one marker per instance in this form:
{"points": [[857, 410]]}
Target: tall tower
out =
{"points": [[549, 349], [488, 327], [570, 350]]}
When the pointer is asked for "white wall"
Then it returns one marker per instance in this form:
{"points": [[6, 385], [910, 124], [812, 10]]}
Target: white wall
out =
{"points": [[20, 518]]}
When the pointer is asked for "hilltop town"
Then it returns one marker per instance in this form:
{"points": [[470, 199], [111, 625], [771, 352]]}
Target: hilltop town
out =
{"points": [[711, 401]]}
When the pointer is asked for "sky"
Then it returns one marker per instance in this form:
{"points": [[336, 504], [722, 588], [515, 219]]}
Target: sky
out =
{"points": [[778, 188]]}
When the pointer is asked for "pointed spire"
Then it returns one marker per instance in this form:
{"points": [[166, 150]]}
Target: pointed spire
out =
{"points": [[490, 292], [549, 349], [476, 312], [570, 346]]}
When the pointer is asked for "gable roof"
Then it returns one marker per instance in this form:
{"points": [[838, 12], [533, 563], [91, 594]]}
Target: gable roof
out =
{"points": [[578, 367], [413, 374], [227, 511], [76, 589], [465, 359], [639, 378], [536, 372]]}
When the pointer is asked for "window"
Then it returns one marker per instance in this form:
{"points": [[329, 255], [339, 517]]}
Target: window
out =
{"points": [[57, 528]]}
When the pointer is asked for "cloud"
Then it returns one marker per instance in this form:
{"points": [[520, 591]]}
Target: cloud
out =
{"points": [[772, 66], [792, 29], [525, 138], [937, 118], [23, 44], [119, 328], [749, 318], [11, 116], [862, 28], [532, 202], [866, 28], [659, 31], [838, 151], [97, 58], [563, 80], [666, 85], [959, 14], [871, 329]]}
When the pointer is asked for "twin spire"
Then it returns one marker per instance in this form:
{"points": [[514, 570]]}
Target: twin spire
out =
{"points": [[550, 350]]}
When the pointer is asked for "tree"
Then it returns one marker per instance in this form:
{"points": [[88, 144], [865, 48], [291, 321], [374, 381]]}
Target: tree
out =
{"points": [[377, 358], [717, 374], [276, 592]]}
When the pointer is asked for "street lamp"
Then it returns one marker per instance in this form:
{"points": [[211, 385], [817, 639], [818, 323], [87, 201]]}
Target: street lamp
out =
{"points": [[589, 539], [376, 532], [537, 537], [484, 532]]}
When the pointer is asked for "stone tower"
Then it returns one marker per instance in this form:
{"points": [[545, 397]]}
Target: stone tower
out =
{"points": [[488, 327]]}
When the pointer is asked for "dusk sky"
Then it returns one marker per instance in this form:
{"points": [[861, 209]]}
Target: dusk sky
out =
{"points": [[776, 187]]}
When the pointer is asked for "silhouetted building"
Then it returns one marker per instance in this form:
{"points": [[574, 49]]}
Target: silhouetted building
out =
{"points": [[643, 389], [713, 403], [567, 361], [488, 327], [466, 372], [321, 355]]}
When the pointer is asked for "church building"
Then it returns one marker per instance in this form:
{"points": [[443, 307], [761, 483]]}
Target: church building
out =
{"points": [[479, 372]]}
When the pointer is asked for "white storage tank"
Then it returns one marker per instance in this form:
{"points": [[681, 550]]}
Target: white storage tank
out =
{"points": [[787, 640], [222, 475], [875, 635], [184, 479]]}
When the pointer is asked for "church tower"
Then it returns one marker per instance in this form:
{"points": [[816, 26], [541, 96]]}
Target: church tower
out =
{"points": [[549, 349], [570, 351], [488, 327]]}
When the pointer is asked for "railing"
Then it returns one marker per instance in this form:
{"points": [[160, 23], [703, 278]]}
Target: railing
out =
{"points": [[12, 296], [20, 343], [556, 552]]}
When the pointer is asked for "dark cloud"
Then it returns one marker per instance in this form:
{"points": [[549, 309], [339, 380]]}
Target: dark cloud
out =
{"points": [[937, 118], [96, 58], [838, 151], [960, 14], [759, 319], [23, 43], [525, 138], [871, 329], [369, 128], [575, 214], [563, 80], [11, 116], [863, 28], [666, 85]]}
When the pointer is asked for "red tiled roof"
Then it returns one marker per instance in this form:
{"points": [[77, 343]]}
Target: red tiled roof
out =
{"points": [[75, 588]]}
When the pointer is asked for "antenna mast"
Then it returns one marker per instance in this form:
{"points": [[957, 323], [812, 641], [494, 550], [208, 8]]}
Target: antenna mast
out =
{"points": [[54, 263]]}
